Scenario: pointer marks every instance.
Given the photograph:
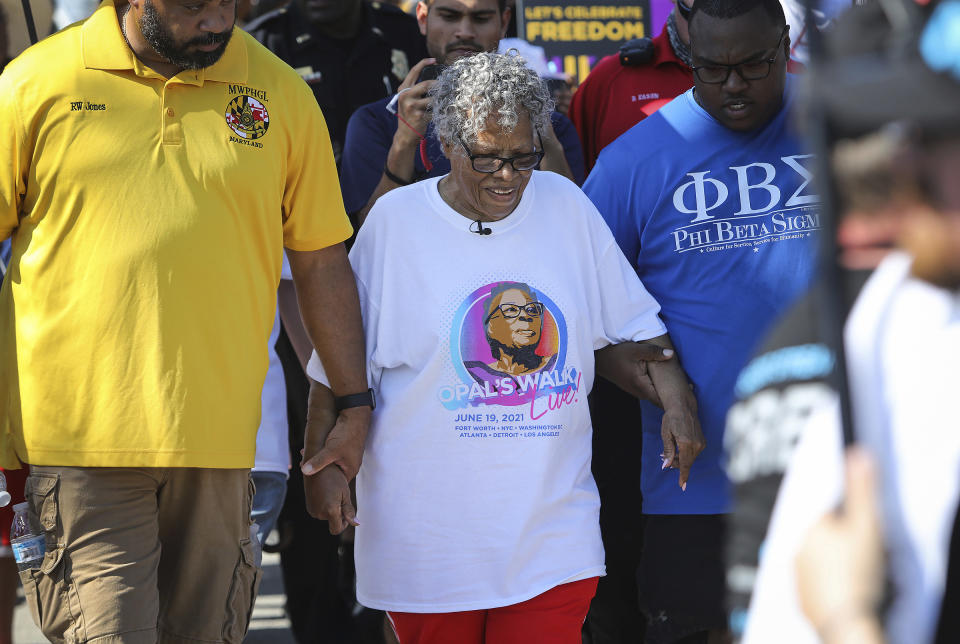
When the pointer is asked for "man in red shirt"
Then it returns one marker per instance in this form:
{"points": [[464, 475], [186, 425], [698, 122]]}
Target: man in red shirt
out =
{"points": [[617, 96]]}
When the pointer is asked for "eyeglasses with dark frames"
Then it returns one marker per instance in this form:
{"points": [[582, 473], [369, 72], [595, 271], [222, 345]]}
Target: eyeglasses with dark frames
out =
{"points": [[511, 311], [490, 163], [717, 74]]}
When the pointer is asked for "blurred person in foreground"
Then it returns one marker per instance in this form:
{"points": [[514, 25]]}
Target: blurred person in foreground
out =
{"points": [[792, 375], [902, 343], [391, 143], [905, 90], [478, 514], [840, 565], [720, 221], [155, 170]]}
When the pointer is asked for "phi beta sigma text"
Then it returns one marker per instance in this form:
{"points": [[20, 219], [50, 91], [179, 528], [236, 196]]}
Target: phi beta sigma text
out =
{"points": [[763, 212]]}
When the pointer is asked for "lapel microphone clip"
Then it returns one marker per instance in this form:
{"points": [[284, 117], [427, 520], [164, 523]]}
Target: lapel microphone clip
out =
{"points": [[480, 228]]}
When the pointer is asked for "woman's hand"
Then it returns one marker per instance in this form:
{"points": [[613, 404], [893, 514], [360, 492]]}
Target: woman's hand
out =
{"points": [[343, 445], [682, 438], [327, 490], [680, 430], [328, 498]]}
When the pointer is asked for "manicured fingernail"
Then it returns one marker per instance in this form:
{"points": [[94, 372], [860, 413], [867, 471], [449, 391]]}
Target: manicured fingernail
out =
{"points": [[307, 468], [668, 352], [666, 462], [684, 487]]}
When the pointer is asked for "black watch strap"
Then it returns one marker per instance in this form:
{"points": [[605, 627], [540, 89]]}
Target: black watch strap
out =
{"points": [[366, 398]]}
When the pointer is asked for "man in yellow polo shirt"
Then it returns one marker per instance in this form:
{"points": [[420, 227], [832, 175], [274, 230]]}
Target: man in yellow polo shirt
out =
{"points": [[155, 162]]}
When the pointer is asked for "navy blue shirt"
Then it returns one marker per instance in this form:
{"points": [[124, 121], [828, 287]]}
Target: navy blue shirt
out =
{"points": [[721, 227], [369, 135], [4, 258]]}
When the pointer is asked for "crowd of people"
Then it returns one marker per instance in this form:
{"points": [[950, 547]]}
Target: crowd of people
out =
{"points": [[484, 363]]}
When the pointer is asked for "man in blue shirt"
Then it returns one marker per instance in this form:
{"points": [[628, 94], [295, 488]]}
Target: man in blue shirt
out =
{"points": [[384, 148], [719, 218]]}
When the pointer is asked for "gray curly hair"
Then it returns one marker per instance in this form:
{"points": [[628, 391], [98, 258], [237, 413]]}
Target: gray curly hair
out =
{"points": [[483, 85]]}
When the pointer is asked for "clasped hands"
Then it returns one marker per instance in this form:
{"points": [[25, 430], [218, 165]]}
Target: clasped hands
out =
{"points": [[332, 453], [650, 371], [333, 443]]}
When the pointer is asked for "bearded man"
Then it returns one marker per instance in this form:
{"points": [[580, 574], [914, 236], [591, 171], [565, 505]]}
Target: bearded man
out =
{"points": [[156, 165]]}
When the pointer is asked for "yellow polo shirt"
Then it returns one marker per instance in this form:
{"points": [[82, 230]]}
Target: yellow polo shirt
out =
{"points": [[148, 217]]}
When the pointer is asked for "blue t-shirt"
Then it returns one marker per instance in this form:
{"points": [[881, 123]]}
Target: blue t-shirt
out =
{"points": [[720, 226], [369, 135]]}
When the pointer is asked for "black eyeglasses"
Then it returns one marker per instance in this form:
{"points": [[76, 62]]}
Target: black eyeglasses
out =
{"points": [[684, 10], [716, 74], [490, 163], [511, 311]]}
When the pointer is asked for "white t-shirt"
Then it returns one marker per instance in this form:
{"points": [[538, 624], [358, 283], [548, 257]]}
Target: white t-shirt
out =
{"points": [[273, 435], [476, 490], [903, 347]]}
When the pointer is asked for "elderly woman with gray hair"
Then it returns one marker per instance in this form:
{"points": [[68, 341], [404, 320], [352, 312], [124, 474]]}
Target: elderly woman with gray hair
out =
{"points": [[485, 294]]}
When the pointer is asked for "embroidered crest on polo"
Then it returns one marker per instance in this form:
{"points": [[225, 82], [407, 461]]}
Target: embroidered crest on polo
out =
{"points": [[247, 117]]}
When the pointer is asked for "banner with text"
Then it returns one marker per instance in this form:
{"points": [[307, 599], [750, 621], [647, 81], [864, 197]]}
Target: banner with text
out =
{"points": [[575, 35]]}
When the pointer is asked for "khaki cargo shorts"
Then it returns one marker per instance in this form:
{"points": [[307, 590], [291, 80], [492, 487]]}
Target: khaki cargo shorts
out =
{"points": [[143, 555]]}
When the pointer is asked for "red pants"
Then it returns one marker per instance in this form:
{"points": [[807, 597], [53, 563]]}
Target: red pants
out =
{"points": [[554, 617]]}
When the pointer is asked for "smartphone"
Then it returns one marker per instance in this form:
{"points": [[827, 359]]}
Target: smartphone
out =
{"points": [[430, 72], [555, 85]]}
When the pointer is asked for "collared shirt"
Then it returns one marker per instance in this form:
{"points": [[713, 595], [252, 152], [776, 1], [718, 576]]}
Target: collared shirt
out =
{"points": [[148, 217], [613, 98], [345, 73]]}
